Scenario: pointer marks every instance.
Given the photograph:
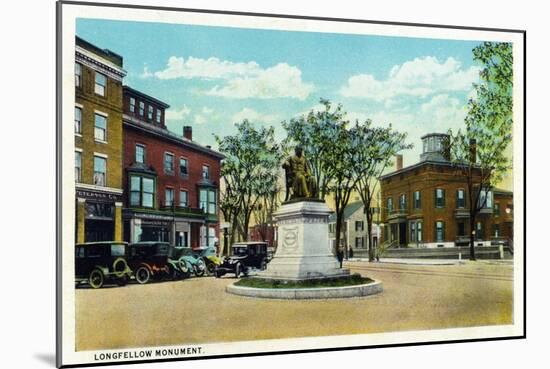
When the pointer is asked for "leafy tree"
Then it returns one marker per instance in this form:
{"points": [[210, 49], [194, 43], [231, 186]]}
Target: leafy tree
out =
{"points": [[315, 132], [375, 148], [479, 151], [249, 170]]}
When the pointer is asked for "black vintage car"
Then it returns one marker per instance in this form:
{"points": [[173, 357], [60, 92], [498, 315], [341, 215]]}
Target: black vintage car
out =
{"points": [[149, 260], [100, 262], [244, 255]]}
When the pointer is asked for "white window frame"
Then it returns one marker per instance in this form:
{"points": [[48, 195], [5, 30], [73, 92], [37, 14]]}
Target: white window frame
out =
{"points": [[106, 116], [167, 153], [100, 89], [79, 131], [104, 157], [144, 153], [78, 76]]}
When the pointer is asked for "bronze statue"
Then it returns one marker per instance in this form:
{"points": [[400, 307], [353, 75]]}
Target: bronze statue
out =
{"points": [[298, 176]]}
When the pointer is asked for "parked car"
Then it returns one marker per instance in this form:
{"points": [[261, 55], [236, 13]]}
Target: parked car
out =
{"points": [[195, 262], [211, 260], [244, 255], [100, 262], [149, 259], [179, 266]]}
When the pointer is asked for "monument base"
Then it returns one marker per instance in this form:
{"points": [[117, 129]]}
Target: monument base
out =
{"points": [[303, 248]]}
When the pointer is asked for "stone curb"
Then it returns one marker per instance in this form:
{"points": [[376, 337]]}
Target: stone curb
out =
{"points": [[307, 293]]}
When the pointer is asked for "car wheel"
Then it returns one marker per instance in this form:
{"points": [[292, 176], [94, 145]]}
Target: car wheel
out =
{"points": [[143, 275], [263, 265], [173, 273], [211, 268], [199, 268], [238, 270], [96, 278], [184, 268]]}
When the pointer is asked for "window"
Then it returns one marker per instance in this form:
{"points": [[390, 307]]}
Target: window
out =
{"points": [[100, 128], [358, 242], [332, 227], [359, 225], [460, 199], [183, 167], [417, 200], [150, 112], [100, 171], [77, 120], [100, 84], [486, 199], [439, 231], [461, 229], [207, 200], [212, 202], [77, 166], [497, 209], [389, 204], [479, 231], [184, 198], [169, 197], [78, 74], [159, 113], [412, 232], [142, 191], [140, 154], [496, 230], [439, 198], [419, 233], [402, 202], [211, 236], [168, 163], [205, 172], [141, 108], [132, 105]]}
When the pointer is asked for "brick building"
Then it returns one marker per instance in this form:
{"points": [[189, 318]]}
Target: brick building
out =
{"points": [[98, 142], [171, 182], [425, 204]]}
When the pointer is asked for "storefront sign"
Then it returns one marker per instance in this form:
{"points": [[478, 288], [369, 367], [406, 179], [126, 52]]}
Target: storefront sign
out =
{"points": [[98, 196]]}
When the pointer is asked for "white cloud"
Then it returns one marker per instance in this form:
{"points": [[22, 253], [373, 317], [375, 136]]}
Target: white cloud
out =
{"points": [[281, 80], [146, 73], [211, 68], [207, 110], [178, 114], [254, 116], [241, 80], [199, 119], [420, 77]]}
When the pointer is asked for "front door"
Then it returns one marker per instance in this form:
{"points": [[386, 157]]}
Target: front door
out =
{"points": [[402, 234]]}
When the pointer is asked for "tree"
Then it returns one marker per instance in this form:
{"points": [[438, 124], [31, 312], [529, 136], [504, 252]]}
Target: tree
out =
{"points": [[375, 148], [314, 132], [249, 170], [479, 151]]}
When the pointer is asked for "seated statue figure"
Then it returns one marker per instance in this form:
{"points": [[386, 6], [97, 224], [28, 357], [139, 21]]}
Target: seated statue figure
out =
{"points": [[298, 176]]}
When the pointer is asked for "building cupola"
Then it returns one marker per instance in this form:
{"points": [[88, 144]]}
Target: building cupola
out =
{"points": [[435, 147]]}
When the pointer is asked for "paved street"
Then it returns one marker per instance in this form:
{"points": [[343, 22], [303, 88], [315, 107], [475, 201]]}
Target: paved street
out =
{"points": [[198, 310]]}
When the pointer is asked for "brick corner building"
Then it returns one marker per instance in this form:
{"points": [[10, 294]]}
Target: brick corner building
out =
{"points": [[171, 182], [425, 204]]}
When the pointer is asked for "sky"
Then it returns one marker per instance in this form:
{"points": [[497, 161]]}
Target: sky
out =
{"points": [[213, 77]]}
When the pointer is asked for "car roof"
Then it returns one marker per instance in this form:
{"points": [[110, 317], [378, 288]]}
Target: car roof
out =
{"points": [[149, 243], [249, 243], [102, 243]]}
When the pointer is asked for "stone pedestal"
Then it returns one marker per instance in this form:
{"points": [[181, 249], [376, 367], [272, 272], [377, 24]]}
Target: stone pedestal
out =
{"points": [[303, 247]]}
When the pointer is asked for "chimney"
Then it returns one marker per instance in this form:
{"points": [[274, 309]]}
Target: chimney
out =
{"points": [[473, 151], [398, 162], [188, 132]]}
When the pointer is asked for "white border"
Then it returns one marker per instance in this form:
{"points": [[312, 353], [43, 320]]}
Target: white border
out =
{"points": [[70, 12]]}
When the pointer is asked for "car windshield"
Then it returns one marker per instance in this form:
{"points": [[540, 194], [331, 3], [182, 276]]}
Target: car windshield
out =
{"points": [[117, 250], [239, 250]]}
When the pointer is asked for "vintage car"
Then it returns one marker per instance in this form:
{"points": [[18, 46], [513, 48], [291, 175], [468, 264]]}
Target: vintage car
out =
{"points": [[208, 255], [179, 267], [149, 259], [189, 260], [244, 256], [99, 262]]}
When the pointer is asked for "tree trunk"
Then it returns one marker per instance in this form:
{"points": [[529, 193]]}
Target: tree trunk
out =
{"points": [[369, 236], [472, 236]]}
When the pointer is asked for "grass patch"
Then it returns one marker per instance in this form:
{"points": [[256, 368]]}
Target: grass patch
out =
{"points": [[353, 280]]}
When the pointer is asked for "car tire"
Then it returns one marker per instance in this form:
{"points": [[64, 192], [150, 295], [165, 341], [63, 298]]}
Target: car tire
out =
{"points": [[210, 268], [143, 275], [199, 268], [96, 278], [263, 265], [238, 270]]}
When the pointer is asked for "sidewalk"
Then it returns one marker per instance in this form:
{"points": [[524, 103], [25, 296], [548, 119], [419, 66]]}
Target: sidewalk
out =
{"points": [[412, 261]]}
